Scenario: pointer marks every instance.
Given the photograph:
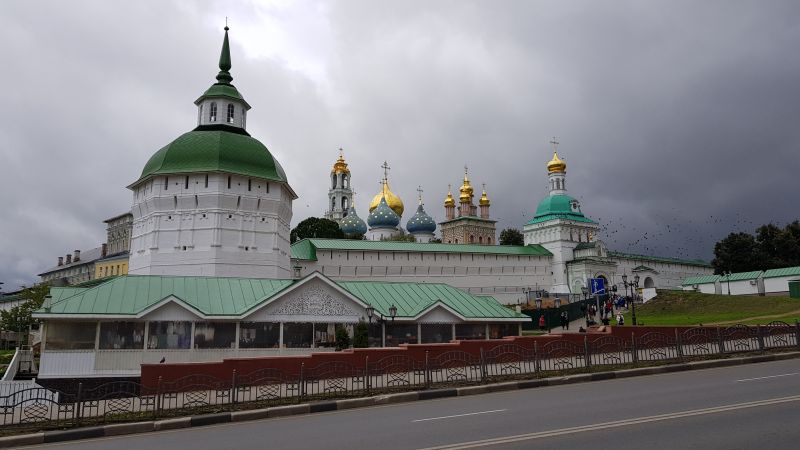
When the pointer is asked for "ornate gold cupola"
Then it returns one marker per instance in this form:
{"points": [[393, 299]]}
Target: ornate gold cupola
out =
{"points": [[556, 164]]}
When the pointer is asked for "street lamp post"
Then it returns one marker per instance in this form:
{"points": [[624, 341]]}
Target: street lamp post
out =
{"points": [[633, 302], [728, 277], [585, 292], [370, 312]]}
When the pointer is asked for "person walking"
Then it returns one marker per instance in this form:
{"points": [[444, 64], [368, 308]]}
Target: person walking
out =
{"points": [[541, 323], [565, 318]]}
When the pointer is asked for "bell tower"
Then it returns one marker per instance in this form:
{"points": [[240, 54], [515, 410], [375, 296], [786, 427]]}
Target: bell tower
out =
{"points": [[340, 194]]}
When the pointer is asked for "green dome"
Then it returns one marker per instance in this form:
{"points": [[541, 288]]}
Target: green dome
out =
{"points": [[559, 207], [209, 149]]}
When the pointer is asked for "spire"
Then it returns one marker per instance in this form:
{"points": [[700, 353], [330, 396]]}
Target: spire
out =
{"points": [[224, 77]]}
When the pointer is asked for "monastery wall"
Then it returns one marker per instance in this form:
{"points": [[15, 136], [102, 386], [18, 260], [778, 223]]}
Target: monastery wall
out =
{"points": [[504, 277]]}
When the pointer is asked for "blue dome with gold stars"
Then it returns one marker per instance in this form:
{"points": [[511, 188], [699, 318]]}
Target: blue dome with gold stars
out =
{"points": [[383, 216], [352, 224], [421, 222]]}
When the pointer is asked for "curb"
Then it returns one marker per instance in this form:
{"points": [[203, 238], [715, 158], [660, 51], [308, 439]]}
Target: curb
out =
{"points": [[385, 399]]}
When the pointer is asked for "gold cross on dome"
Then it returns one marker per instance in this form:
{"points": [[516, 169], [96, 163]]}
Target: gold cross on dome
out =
{"points": [[555, 144], [385, 168]]}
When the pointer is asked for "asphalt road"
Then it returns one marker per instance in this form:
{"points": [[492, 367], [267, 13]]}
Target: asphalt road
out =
{"points": [[749, 406]]}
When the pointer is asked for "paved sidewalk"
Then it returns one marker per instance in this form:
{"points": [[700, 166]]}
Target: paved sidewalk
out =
{"points": [[577, 323]]}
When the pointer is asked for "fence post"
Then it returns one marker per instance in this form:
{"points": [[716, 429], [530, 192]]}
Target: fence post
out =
{"points": [[587, 356], [78, 405], [720, 341], [634, 352], [301, 388], [367, 378], [537, 367], [427, 371], [797, 332], [483, 366], [760, 335], [157, 408], [233, 390], [679, 345]]}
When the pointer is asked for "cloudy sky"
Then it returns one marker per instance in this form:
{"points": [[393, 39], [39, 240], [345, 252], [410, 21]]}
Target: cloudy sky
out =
{"points": [[679, 120]]}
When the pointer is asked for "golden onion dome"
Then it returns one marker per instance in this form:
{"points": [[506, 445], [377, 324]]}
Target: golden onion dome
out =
{"points": [[392, 200], [484, 201], [466, 190], [556, 164], [449, 200], [340, 166]]}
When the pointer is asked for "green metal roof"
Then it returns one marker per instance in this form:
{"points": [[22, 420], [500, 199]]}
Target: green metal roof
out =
{"points": [[132, 295], [585, 245], [411, 299], [558, 207], [307, 248], [782, 272], [212, 150], [688, 262], [740, 276], [705, 279]]}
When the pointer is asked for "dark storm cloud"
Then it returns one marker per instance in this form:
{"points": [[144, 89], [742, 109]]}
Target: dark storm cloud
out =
{"points": [[678, 120]]}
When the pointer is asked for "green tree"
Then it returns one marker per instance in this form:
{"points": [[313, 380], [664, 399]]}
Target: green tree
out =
{"points": [[19, 317], [342, 338], [738, 252], [511, 236], [315, 227], [361, 335]]}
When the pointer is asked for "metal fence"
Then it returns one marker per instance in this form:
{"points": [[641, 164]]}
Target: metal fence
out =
{"points": [[37, 408]]}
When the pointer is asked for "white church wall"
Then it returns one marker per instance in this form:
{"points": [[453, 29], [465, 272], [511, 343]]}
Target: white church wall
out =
{"points": [[668, 276], [501, 276], [778, 285], [211, 224]]}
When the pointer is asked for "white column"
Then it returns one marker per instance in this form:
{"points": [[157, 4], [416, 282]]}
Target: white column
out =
{"points": [[97, 337], [419, 333], [383, 334], [146, 334], [191, 338], [453, 335], [236, 339], [280, 337]]}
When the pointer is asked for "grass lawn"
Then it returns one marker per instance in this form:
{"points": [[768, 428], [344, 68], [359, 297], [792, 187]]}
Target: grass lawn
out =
{"points": [[692, 308]]}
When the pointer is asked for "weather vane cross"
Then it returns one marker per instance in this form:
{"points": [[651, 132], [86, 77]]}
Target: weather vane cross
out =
{"points": [[419, 191], [385, 168], [555, 144]]}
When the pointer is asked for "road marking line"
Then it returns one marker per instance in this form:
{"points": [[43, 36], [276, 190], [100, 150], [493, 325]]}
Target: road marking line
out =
{"points": [[614, 424], [771, 376], [460, 415]]}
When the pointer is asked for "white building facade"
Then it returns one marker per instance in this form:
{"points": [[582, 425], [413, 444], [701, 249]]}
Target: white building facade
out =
{"points": [[214, 202]]}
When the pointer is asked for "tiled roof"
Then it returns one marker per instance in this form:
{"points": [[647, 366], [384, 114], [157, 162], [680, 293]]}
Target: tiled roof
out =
{"points": [[133, 294], [87, 256], [705, 279], [740, 276], [411, 299], [783, 272], [572, 217], [210, 296], [306, 249], [688, 262]]}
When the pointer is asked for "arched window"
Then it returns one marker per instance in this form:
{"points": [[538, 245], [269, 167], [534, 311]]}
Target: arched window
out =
{"points": [[212, 112], [333, 181], [471, 239], [230, 113], [333, 204], [480, 239], [489, 240], [344, 204]]}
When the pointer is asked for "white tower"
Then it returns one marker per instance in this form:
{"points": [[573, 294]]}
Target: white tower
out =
{"points": [[559, 225], [340, 195], [214, 202]]}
